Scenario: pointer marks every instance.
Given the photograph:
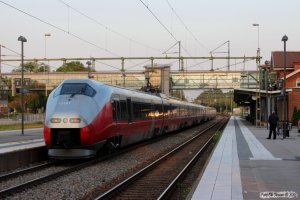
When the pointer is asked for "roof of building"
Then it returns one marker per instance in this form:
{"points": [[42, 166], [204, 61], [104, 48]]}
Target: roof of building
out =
{"points": [[291, 57]]}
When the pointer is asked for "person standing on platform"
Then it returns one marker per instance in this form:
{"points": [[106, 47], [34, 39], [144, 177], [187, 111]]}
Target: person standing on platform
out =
{"points": [[273, 120]]}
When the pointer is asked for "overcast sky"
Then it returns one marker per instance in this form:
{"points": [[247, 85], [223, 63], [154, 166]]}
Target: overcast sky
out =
{"points": [[110, 28]]}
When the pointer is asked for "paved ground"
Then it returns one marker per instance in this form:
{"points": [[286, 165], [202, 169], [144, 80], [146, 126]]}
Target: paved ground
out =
{"points": [[16, 135], [246, 165]]}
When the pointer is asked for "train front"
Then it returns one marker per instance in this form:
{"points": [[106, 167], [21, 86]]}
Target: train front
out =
{"points": [[68, 131]]}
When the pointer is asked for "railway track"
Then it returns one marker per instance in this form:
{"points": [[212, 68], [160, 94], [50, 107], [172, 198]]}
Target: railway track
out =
{"points": [[59, 169], [25, 179], [6, 176], [158, 179]]}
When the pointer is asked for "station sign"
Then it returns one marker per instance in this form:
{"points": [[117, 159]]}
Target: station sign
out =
{"points": [[18, 82]]}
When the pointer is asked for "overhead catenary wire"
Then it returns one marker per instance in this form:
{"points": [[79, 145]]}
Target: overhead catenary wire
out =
{"points": [[107, 28], [108, 65], [191, 66], [246, 60], [60, 29], [13, 51], [186, 27], [136, 65], [159, 21], [9, 65]]}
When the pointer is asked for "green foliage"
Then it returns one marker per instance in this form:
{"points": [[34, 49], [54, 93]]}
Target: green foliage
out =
{"points": [[179, 94], [296, 116], [32, 102], [72, 67], [4, 127], [216, 98], [33, 67]]}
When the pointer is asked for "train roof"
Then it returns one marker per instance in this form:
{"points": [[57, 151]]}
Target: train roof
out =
{"points": [[134, 93]]}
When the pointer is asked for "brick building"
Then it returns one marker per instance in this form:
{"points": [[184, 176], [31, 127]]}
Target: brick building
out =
{"points": [[292, 80]]}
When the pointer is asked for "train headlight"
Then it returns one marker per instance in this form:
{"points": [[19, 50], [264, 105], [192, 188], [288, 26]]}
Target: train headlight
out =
{"points": [[75, 120], [55, 120]]}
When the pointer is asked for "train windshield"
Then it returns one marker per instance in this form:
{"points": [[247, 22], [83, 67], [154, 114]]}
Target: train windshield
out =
{"points": [[77, 88]]}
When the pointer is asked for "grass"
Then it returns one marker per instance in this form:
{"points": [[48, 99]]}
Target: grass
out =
{"points": [[16, 126], [217, 137]]}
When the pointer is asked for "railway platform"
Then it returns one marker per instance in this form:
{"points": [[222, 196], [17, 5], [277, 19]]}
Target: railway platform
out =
{"points": [[16, 135], [246, 165], [17, 149]]}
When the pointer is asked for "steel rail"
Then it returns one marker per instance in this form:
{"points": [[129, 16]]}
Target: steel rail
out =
{"points": [[25, 171], [111, 192], [166, 193], [43, 179]]}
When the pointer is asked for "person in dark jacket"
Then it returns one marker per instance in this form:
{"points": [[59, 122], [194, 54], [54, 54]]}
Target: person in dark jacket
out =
{"points": [[273, 120]]}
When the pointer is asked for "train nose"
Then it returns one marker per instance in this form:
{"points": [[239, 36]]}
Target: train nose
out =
{"points": [[65, 137], [67, 120]]}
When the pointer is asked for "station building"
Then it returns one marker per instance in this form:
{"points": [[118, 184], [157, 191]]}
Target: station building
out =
{"points": [[267, 95]]}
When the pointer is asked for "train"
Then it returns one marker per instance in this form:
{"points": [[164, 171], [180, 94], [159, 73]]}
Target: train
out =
{"points": [[84, 117]]}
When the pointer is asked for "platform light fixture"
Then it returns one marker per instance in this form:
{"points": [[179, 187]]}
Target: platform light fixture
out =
{"points": [[22, 39], [46, 81], [257, 34], [285, 108]]}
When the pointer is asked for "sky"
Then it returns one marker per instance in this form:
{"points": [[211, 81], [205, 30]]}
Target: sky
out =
{"points": [[115, 28]]}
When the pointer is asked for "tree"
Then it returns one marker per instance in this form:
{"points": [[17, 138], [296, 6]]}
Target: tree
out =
{"points": [[179, 94], [296, 116], [33, 67], [216, 98], [32, 102], [73, 66]]}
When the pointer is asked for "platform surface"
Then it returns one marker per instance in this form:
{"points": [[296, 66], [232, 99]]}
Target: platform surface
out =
{"points": [[246, 165], [14, 140]]}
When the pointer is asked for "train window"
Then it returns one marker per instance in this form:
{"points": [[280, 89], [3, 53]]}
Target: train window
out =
{"points": [[57, 91], [116, 108], [141, 110], [77, 88], [124, 114], [89, 91], [129, 110], [158, 108]]}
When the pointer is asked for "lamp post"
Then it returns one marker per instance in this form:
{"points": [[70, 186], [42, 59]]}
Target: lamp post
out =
{"points": [[0, 60], [89, 69], [258, 82], [46, 35], [46, 82], [267, 97], [268, 104], [285, 108], [22, 39], [257, 34]]}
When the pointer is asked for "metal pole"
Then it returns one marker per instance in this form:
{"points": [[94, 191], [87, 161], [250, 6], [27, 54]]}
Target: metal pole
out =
{"points": [[0, 60], [46, 35], [257, 34], [89, 69], [22, 39], [46, 81], [0, 69], [22, 86], [228, 61], [285, 108], [267, 98], [123, 72], [179, 55]]}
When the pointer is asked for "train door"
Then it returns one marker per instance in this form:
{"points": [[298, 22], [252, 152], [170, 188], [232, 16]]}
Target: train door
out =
{"points": [[116, 108], [129, 110]]}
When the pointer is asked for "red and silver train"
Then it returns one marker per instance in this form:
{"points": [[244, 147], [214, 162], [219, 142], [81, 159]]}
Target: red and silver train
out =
{"points": [[84, 116]]}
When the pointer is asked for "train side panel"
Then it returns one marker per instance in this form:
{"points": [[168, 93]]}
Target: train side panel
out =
{"points": [[90, 116]]}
